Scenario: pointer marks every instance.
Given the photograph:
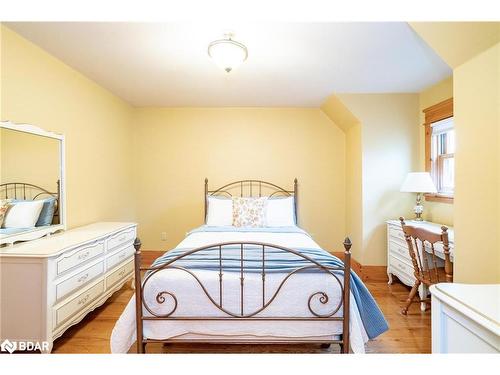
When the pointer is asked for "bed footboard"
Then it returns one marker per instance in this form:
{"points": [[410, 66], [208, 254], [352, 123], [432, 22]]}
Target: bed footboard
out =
{"points": [[144, 312]]}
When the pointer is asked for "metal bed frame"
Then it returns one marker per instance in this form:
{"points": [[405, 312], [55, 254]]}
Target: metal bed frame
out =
{"points": [[144, 274], [27, 191]]}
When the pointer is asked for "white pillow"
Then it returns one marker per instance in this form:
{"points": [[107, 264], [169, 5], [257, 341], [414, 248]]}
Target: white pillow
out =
{"points": [[220, 212], [280, 212], [23, 214]]}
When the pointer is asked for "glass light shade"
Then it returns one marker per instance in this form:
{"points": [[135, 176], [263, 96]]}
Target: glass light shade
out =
{"points": [[227, 53], [418, 182]]}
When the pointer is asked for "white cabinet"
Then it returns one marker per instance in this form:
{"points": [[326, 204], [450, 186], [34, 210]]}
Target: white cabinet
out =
{"points": [[399, 262], [465, 318], [49, 284]]}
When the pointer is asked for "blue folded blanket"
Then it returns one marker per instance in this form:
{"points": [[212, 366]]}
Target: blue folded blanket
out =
{"points": [[284, 262]]}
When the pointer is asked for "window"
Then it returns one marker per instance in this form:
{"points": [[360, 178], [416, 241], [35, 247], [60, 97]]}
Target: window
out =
{"points": [[443, 156], [440, 150]]}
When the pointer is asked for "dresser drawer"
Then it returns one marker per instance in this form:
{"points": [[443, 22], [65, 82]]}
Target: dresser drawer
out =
{"points": [[119, 257], [396, 233], [401, 251], [121, 238], [80, 279], [401, 266], [77, 304], [81, 255], [119, 274]]}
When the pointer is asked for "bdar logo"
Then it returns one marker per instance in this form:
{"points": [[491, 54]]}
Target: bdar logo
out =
{"points": [[8, 346]]}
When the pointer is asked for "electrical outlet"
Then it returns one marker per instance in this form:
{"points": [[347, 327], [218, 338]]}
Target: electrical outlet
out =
{"points": [[163, 236]]}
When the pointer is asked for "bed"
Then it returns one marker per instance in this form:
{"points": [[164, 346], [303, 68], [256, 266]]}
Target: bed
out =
{"points": [[226, 284], [27, 192]]}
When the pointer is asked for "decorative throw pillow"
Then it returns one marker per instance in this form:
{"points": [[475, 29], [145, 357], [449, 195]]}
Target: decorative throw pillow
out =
{"points": [[4, 206], [249, 212]]}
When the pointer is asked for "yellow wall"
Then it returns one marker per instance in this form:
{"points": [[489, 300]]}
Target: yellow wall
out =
{"points": [[381, 148], [477, 203], [434, 211], [389, 144], [472, 49], [41, 90], [177, 148], [29, 158], [343, 117], [354, 189]]}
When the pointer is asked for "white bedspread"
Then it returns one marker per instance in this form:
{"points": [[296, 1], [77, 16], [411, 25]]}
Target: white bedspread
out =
{"points": [[192, 301]]}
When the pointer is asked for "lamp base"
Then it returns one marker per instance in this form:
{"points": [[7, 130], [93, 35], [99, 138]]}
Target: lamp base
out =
{"points": [[419, 208]]}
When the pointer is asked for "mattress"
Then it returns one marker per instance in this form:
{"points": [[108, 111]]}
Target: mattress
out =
{"points": [[291, 301]]}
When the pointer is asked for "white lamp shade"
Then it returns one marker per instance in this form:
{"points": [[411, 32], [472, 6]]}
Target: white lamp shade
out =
{"points": [[418, 182]]}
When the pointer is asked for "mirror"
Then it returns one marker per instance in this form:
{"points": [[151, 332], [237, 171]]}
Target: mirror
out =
{"points": [[31, 183]]}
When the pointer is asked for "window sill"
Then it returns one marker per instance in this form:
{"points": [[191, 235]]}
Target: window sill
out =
{"points": [[439, 198]]}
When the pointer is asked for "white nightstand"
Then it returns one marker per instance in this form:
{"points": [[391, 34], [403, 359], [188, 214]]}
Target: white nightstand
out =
{"points": [[398, 257]]}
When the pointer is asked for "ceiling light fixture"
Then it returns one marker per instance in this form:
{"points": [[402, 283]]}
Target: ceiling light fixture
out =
{"points": [[227, 53]]}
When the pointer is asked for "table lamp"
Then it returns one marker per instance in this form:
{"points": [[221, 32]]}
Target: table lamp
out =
{"points": [[418, 182]]}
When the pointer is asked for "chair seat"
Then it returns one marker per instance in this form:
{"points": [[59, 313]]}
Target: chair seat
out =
{"points": [[430, 276]]}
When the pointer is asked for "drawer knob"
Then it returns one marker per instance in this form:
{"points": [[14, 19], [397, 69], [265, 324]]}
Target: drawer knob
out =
{"points": [[121, 273], [121, 256], [81, 301], [83, 278], [122, 238], [84, 255]]}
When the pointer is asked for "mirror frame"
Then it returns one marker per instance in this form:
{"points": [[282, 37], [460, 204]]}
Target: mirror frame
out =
{"points": [[38, 233]]}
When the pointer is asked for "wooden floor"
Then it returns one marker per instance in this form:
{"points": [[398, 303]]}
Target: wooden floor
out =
{"points": [[407, 334]]}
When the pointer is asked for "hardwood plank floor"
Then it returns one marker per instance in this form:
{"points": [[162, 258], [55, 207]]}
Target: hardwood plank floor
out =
{"points": [[407, 334]]}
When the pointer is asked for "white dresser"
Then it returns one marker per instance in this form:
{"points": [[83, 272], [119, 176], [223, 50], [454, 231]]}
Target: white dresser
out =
{"points": [[398, 257], [465, 318], [49, 284]]}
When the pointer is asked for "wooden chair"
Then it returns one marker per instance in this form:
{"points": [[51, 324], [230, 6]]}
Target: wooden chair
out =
{"points": [[428, 267]]}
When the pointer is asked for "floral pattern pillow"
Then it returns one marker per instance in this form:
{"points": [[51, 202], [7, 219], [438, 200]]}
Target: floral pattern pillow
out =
{"points": [[249, 212], [4, 206]]}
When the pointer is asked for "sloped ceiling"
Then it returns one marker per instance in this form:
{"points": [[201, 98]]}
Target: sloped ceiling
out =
{"points": [[457, 42], [339, 113]]}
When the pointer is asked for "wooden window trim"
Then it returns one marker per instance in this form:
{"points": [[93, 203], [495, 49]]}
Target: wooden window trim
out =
{"points": [[438, 198], [437, 112]]}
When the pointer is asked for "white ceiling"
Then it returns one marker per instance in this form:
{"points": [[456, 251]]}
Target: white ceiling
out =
{"points": [[289, 64]]}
